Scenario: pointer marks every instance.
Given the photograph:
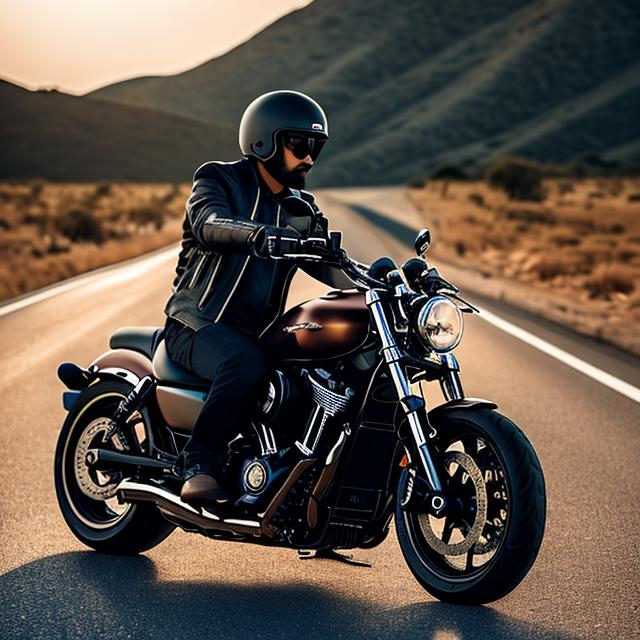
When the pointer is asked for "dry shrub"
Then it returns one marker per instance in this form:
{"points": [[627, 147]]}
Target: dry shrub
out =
{"points": [[532, 216], [80, 226], [565, 186], [144, 215], [564, 238], [607, 279], [520, 179], [626, 254], [477, 199], [547, 266]]}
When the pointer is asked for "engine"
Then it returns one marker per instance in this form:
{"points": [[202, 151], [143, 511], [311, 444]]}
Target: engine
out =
{"points": [[292, 413]]}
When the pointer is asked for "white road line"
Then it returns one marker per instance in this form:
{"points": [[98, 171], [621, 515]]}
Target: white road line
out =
{"points": [[563, 356], [118, 274]]}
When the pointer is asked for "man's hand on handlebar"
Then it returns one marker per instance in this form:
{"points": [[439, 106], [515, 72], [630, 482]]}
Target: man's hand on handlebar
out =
{"points": [[279, 243], [271, 241]]}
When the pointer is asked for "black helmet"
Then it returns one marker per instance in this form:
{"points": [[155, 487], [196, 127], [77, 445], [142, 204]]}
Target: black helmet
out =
{"points": [[275, 112]]}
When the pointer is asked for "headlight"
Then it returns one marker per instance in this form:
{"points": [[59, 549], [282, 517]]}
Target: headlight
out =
{"points": [[440, 324]]}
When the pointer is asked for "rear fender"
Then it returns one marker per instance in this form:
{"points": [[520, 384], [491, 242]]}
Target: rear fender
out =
{"points": [[116, 364], [122, 364]]}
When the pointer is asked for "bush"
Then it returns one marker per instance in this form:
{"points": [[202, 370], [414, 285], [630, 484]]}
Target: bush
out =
{"points": [[520, 179], [477, 199], [80, 226], [147, 215], [102, 189], [416, 182], [450, 172], [610, 278]]}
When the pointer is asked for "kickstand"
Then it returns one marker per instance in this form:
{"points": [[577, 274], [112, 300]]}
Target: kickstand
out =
{"points": [[332, 554]]}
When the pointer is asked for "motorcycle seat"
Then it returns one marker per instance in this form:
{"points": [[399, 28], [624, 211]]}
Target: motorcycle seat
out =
{"points": [[166, 370], [144, 340]]}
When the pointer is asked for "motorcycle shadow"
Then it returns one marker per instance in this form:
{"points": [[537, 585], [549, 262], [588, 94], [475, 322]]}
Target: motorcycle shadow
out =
{"points": [[89, 595]]}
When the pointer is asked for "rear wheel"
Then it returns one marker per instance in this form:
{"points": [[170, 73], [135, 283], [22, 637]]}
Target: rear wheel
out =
{"points": [[86, 496], [489, 536]]}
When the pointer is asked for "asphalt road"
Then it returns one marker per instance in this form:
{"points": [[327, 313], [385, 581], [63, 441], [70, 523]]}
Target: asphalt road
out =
{"points": [[583, 585]]}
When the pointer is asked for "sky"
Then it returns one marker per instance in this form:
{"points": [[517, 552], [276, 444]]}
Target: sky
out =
{"points": [[79, 45]]}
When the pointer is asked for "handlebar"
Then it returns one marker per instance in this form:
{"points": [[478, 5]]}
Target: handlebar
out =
{"points": [[325, 250]]}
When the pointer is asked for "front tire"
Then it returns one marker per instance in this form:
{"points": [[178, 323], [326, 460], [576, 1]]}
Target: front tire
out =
{"points": [[484, 547], [87, 499]]}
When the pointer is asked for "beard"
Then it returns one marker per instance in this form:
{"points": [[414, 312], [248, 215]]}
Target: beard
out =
{"points": [[289, 178]]}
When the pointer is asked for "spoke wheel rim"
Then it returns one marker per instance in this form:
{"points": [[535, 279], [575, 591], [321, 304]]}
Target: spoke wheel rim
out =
{"points": [[90, 493], [476, 544]]}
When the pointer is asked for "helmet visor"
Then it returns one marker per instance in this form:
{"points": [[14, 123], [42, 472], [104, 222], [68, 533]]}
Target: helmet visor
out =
{"points": [[303, 145]]}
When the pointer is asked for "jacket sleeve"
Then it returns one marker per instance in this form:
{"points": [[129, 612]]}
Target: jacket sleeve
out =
{"points": [[215, 225]]}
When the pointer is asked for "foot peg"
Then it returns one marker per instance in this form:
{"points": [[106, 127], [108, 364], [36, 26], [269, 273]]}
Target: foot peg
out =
{"points": [[332, 554]]}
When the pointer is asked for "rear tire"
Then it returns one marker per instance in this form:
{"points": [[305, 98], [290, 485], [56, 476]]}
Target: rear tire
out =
{"points": [[518, 495], [99, 522]]}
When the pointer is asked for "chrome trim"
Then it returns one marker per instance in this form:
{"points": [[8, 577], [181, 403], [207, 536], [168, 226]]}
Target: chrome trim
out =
{"points": [[421, 324], [330, 401], [131, 491], [450, 382], [336, 447], [244, 266], [128, 375], [372, 298], [266, 438]]}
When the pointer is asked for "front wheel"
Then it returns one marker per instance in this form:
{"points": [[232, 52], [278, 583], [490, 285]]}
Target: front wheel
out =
{"points": [[487, 539], [87, 497]]}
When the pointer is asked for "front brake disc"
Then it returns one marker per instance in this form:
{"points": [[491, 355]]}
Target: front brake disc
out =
{"points": [[474, 475]]}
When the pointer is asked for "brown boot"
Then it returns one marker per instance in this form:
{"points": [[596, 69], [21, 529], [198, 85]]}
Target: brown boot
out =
{"points": [[202, 489]]}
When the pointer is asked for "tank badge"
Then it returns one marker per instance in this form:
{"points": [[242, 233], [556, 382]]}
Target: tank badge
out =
{"points": [[311, 326]]}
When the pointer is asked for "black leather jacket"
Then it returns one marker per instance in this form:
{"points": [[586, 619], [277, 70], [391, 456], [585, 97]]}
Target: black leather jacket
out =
{"points": [[219, 278]]}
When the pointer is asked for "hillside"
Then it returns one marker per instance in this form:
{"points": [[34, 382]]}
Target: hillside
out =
{"points": [[62, 137], [411, 85]]}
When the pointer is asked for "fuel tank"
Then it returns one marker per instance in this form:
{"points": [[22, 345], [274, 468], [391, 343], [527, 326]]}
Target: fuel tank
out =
{"points": [[326, 327]]}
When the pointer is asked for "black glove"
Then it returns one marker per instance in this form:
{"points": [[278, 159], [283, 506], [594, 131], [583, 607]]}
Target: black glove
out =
{"points": [[272, 241]]}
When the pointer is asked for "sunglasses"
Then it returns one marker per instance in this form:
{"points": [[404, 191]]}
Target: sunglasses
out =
{"points": [[302, 146]]}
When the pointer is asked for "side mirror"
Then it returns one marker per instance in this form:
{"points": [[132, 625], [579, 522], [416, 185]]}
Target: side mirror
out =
{"points": [[423, 242]]}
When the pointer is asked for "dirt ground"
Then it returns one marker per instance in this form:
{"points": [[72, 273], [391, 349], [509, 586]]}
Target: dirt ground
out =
{"points": [[52, 231], [573, 257]]}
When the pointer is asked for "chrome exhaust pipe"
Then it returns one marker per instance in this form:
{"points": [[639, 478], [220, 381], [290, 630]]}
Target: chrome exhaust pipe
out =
{"points": [[131, 491]]}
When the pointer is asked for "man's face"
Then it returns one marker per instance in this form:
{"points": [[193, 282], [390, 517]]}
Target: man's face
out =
{"points": [[296, 169], [287, 167]]}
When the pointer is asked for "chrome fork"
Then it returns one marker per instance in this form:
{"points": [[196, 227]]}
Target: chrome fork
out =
{"points": [[411, 403]]}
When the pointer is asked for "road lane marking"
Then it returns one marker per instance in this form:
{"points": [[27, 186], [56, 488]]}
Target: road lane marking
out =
{"points": [[563, 356], [118, 274]]}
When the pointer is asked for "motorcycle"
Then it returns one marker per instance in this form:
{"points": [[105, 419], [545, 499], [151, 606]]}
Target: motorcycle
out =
{"points": [[339, 444]]}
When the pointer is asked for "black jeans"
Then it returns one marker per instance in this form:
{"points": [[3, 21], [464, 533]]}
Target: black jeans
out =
{"points": [[236, 366]]}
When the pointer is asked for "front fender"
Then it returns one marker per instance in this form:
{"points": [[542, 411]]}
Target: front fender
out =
{"points": [[461, 403]]}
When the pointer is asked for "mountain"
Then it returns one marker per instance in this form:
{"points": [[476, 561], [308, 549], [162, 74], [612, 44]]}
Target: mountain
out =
{"points": [[412, 85], [62, 137]]}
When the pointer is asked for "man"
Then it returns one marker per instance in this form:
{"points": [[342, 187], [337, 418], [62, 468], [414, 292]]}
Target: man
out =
{"points": [[228, 289]]}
